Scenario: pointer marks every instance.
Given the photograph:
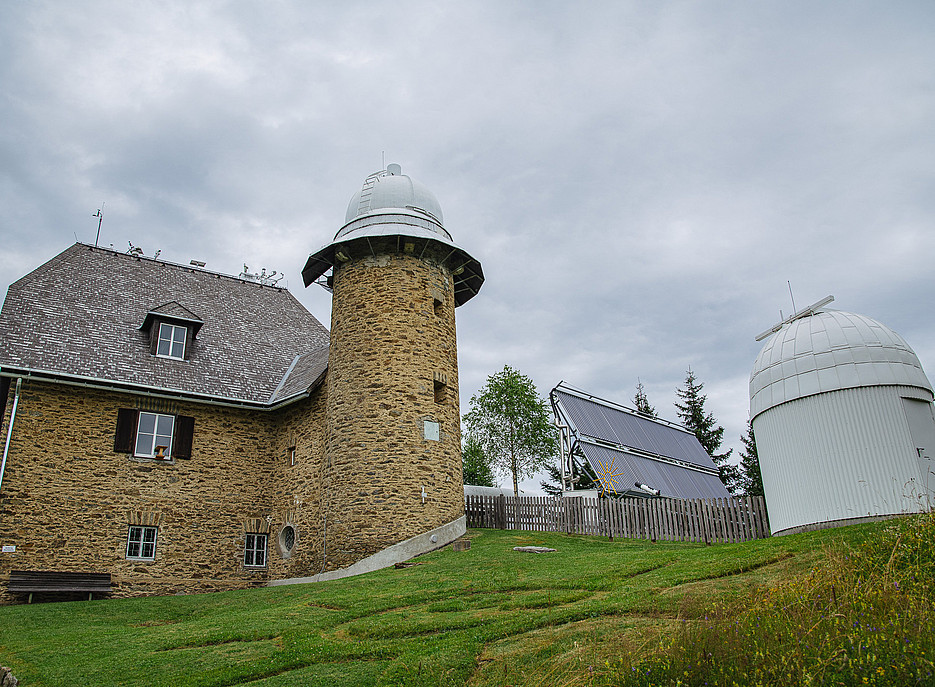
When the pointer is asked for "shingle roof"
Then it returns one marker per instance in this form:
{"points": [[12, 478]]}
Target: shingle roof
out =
{"points": [[79, 315]]}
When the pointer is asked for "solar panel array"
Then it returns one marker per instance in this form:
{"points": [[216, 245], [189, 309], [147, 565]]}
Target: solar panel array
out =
{"points": [[619, 470], [633, 431], [623, 471]]}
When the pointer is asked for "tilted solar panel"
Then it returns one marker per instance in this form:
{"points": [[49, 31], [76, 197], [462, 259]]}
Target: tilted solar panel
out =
{"points": [[601, 421]]}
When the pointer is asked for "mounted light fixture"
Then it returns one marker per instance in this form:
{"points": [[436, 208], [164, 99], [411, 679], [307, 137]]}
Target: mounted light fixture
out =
{"points": [[341, 256]]}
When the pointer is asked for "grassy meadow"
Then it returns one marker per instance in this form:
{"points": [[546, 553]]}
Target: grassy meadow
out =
{"points": [[846, 606]]}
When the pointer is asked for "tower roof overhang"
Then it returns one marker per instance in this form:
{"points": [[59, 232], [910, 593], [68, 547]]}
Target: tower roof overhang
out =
{"points": [[413, 235]]}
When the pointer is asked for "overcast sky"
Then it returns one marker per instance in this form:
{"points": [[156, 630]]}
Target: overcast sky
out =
{"points": [[639, 179]]}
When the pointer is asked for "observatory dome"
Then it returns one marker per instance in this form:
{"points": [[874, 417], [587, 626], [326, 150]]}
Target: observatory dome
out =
{"points": [[830, 350], [393, 190], [391, 212]]}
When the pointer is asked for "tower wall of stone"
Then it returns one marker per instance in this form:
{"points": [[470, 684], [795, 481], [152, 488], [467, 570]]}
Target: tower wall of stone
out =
{"points": [[392, 368], [299, 443]]}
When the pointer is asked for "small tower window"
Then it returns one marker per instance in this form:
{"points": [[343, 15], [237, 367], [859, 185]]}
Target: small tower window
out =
{"points": [[440, 385], [438, 308]]}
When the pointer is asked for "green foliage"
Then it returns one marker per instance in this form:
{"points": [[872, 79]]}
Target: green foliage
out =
{"points": [[861, 617], [697, 419], [474, 464], [751, 480], [642, 402], [512, 423]]}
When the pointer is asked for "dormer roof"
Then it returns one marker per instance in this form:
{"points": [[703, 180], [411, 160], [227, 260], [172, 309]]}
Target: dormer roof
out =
{"points": [[175, 313]]}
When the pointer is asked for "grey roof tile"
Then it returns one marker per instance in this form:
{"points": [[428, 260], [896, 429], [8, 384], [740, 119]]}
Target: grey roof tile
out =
{"points": [[80, 314]]}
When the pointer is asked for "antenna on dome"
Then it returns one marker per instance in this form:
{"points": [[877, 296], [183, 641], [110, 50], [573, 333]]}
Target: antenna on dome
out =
{"points": [[804, 312], [790, 294]]}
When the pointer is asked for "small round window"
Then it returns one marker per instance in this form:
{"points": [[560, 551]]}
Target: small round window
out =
{"points": [[287, 540]]}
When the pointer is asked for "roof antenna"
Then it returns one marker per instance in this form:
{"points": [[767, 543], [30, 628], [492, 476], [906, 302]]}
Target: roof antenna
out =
{"points": [[100, 218], [791, 296]]}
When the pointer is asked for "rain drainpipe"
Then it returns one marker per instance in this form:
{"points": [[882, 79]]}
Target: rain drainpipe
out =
{"points": [[9, 431]]}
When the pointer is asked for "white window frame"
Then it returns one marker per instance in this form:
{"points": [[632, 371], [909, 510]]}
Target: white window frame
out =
{"points": [[148, 450], [252, 547], [173, 335], [144, 537]]}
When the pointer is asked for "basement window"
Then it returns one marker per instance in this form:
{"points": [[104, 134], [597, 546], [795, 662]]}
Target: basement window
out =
{"points": [[255, 551], [141, 543]]}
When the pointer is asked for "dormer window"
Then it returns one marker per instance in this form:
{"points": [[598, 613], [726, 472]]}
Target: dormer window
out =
{"points": [[172, 329], [171, 342]]}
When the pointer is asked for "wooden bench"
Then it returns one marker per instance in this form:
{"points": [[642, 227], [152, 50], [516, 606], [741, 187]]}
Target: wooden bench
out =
{"points": [[32, 581]]}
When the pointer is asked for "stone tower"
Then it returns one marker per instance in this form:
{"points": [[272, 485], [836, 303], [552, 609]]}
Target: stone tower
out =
{"points": [[392, 469]]}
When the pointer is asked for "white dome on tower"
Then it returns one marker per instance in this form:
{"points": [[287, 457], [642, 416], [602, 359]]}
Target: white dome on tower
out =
{"points": [[393, 190], [392, 209]]}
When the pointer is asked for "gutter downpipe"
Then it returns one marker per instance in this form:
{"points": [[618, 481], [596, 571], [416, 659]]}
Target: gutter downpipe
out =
{"points": [[9, 431]]}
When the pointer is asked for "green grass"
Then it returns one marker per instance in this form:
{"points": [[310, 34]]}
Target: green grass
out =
{"points": [[588, 614]]}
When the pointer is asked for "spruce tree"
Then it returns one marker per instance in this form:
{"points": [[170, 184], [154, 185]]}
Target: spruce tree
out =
{"points": [[641, 402], [696, 419], [751, 480]]}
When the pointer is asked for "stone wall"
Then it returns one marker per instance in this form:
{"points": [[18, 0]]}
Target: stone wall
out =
{"points": [[350, 470], [68, 499], [297, 495], [392, 367]]}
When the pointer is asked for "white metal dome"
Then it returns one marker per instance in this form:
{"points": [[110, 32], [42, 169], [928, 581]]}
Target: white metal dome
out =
{"points": [[391, 207], [830, 350], [391, 189]]}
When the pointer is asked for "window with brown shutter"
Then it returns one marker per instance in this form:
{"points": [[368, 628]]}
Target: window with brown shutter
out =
{"points": [[125, 436], [184, 435]]}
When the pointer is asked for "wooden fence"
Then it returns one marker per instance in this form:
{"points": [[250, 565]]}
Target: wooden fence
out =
{"points": [[734, 519]]}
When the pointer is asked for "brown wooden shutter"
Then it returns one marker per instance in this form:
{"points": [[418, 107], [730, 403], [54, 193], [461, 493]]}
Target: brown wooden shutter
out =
{"points": [[126, 430], [153, 337], [184, 434], [188, 343]]}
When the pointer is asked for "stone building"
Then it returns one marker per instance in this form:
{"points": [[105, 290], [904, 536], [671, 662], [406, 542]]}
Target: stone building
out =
{"points": [[187, 431]]}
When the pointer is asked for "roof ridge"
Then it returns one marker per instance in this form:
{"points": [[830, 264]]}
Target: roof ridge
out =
{"points": [[190, 268]]}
